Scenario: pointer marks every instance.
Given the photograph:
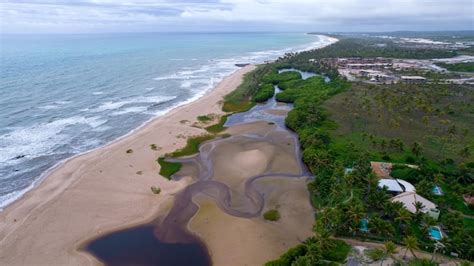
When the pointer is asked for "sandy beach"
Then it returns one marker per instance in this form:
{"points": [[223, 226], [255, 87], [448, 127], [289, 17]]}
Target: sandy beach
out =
{"points": [[103, 190]]}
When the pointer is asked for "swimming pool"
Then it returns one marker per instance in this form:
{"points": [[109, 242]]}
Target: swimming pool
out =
{"points": [[435, 233], [364, 225], [437, 190]]}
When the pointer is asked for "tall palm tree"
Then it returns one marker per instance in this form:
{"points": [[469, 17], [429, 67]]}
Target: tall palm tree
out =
{"points": [[411, 244], [402, 216], [418, 208], [389, 249]]}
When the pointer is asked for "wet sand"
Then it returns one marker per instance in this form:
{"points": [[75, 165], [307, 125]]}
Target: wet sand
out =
{"points": [[102, 191], [235, 180]]}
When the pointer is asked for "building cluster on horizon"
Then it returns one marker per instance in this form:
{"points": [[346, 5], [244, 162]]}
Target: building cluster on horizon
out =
{"points": [[381, 70]]}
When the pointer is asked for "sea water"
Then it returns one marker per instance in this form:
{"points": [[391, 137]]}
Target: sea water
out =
{"points": [[62, 95]]}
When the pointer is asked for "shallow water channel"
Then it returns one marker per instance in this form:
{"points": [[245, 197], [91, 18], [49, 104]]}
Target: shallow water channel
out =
{"points": [[259, 132]]}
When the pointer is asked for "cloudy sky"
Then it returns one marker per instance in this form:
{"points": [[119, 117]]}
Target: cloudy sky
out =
{"points": [[72, 16]]}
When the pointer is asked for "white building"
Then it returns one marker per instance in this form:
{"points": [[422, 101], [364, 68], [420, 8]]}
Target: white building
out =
{"points": [[409, 200]]}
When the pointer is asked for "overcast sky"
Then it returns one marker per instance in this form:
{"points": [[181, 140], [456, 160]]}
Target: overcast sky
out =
{"points": [[73, 16]]}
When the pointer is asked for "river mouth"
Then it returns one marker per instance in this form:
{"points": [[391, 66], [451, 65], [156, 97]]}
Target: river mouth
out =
{"points": [[241, 176]]}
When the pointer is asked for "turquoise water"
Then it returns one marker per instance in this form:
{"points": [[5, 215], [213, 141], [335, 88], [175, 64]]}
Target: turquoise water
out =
{"points": [[437, 190], [63, 95], [435, 233]]}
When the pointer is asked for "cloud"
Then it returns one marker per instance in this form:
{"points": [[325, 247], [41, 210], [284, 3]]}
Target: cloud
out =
{"points": [[233, 15]]}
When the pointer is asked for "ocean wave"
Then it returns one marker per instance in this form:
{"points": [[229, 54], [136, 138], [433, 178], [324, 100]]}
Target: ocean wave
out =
{"points": [[38, 139]]}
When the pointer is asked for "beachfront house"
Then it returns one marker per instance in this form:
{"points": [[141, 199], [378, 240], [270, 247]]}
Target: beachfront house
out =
{"points": [[409, 200]]}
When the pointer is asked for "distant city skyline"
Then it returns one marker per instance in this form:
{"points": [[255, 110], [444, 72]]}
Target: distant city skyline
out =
{"points": [[96, 16]]}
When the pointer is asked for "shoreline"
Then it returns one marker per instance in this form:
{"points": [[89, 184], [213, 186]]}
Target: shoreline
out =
{"points": [[326, 40], [74, 188]]}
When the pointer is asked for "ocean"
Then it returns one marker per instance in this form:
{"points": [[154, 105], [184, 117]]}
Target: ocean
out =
{"points": [[63, 95]]}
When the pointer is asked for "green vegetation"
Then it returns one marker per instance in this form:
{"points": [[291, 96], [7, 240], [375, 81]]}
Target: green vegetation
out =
{"points": [[375, 254], [459, 67], [204, 118], [276, 78], [129, 151], [192, 146], [240, 99], [343, 125], [153, 147], [167, 169], [389, 119], [272, 215], [219, 127], [155, 190], [264, 92], [314, 252]]}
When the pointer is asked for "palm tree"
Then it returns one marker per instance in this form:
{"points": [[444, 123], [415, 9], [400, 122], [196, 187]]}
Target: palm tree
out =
{"points": [[416, 149], [418, 208], [322, 237], [411, 244], [354, 212], [389, 249], [402, 216]]}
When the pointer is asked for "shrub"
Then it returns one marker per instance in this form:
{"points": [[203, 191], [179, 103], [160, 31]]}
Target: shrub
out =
{"points": [[289, 257], [421, 262], [338, 252], [385, 157], [410, 159], [153, 147], [129, 151], [155, 190], [374, 254], [272, 215], [204, 118]]}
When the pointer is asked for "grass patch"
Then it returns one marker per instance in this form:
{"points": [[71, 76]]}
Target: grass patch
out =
{"points": [[219, 127], [237, 106], [167, 169], [272, 215], [192, 146], [204, 118]]}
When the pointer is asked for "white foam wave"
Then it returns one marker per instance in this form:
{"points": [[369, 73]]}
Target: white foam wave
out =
{"points": [[133, 109], [38, 139]]}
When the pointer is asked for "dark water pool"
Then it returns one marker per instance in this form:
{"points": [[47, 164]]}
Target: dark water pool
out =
{"points": [[139, 246]]}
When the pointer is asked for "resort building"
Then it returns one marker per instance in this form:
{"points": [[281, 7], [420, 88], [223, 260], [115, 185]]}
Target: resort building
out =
{"points": [[413, 79], [409, 200], [396, 186]]}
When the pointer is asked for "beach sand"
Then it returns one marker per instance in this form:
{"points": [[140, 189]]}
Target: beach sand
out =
{"points": [[103, 190]]}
